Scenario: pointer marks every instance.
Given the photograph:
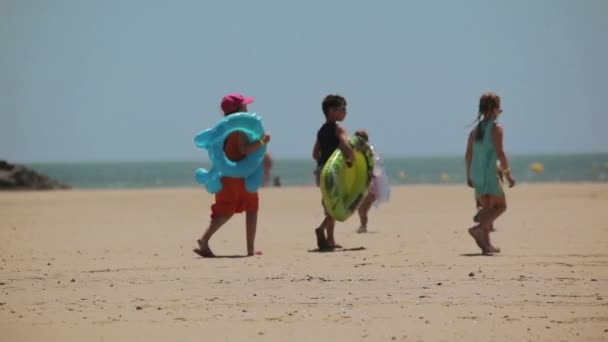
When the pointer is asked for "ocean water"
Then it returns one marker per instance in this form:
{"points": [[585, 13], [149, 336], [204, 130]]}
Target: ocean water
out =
{"points": [[418, 170]]}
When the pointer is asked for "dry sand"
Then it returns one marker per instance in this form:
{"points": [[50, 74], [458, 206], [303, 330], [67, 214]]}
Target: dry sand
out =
{"points": [[118, 266]]}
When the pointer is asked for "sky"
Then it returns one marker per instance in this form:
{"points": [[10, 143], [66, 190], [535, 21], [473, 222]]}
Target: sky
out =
{"points": [[135, 80]]}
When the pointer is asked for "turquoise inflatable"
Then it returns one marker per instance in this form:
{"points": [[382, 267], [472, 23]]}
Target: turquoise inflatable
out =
{"points": [[212, 139]]}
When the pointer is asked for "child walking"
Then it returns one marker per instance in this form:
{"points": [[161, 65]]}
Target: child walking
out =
{"points": [[484, 148], [234, 197], [330, 137], [372, 192]]}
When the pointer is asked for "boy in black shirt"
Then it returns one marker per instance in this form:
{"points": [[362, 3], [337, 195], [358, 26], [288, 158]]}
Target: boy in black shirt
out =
{"points": [[329, 137]]}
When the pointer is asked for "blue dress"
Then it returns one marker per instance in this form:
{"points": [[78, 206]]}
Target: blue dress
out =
{"points": [[483, 165]]}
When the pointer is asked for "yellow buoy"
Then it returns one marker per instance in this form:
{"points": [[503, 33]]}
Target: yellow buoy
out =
{"points": [[445, 177], [537, 167]]}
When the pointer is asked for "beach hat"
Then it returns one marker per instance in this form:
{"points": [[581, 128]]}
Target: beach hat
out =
{"points": [[232, 102]]}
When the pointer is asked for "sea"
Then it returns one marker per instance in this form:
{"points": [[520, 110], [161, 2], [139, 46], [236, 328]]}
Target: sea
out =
{"points": [[299, 172]]}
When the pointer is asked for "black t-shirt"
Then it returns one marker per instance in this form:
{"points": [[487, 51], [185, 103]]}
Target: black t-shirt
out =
{"points": [[328, 141]]}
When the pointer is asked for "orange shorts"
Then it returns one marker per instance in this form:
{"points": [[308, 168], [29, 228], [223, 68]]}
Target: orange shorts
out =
{"points": [[233, 198]]}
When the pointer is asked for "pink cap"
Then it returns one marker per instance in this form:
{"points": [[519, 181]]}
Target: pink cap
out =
{"points": [[232, 102]]}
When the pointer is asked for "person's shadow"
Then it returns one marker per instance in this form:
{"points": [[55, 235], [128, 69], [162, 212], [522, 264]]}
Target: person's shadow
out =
{"points": [[234, 256], [476, 255], [332, 250]]}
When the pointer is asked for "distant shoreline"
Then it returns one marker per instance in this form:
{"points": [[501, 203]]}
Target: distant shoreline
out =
{"points": [[580, 168], [204, 159]]}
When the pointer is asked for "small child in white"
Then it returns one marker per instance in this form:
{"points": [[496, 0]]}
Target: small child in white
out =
{"points": [[378, 191]]}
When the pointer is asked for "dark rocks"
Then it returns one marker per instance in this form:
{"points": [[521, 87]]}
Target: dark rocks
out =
{"points": [[19, 177]]}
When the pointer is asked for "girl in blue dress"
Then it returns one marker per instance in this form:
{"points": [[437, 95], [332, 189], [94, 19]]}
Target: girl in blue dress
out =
{"points": [[484, 149]]}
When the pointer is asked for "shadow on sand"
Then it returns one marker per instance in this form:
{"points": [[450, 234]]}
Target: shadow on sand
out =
{"points": [[236, 256], [331, 250], [476, 255]]}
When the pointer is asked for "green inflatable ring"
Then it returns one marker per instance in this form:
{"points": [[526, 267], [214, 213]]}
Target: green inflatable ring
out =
{"points": [[344, 187]]}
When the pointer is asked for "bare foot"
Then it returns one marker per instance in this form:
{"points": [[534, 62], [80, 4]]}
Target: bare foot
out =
{"points": [[482, 241], [321, 240], [204, 254], [331, 243], [476, 234], [492, 249], [203, 249], [362, 229], [254, 253]]}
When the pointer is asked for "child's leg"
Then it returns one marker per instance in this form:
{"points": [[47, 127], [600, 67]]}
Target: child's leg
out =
{"points": [[251, 222], [478, 208], [215, 224], [364, 208], [322, 242], [477, 233], [320, 233], [476, 217], [499, 204], [329, 227], [494, 207], [481, 232]]}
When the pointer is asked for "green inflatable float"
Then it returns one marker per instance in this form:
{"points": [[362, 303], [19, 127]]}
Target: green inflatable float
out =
{"points": [[344, 187]]}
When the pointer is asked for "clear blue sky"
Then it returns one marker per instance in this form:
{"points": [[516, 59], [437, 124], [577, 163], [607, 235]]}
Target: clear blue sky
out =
{"points": [[113, 80]]}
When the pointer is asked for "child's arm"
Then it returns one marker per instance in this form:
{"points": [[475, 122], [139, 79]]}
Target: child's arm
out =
{"points": [[246, 147], [468, 157], [497, 135], [499, 172], [344, 145], [316, 151]]}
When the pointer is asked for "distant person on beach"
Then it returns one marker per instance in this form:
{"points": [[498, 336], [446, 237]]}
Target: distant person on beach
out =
{"points": [[277, 181], [234, 197], [484, 148], [330, 136], [372, 192]]}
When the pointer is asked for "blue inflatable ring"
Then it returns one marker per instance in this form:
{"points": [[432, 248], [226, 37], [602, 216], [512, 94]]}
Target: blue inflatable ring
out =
{"points": [[251, 167]]}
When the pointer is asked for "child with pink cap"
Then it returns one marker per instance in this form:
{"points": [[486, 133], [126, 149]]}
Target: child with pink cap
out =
{"points": [[234, 197]]}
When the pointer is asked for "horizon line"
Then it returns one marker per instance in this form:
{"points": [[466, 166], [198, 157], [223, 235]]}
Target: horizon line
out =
{"points": [[385, 156]]}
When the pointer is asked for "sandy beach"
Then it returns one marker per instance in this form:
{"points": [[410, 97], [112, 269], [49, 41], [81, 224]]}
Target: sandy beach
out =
{"points": [[118, 266]]}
